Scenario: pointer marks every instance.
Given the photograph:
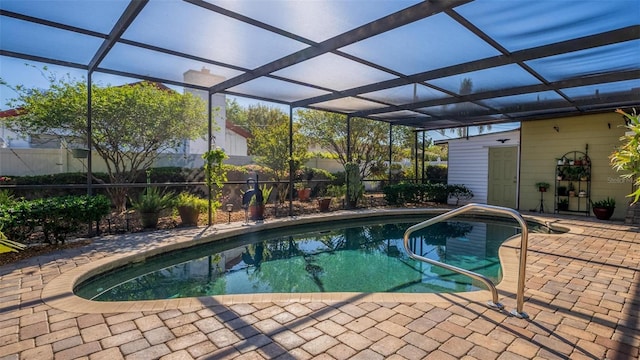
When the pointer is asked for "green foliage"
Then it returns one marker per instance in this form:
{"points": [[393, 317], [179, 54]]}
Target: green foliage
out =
{"points": [[355, 188], [403, 193], [131, 124], [215, 172], [336, 191], [266, 193], [542, 184], [369, 139], [6, 197], [189, 200], [56, 216], [606, 203], [627, 157], [459, 192], [152, 200]]}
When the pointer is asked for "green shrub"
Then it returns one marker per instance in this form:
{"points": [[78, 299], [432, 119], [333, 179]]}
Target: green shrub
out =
{"points": [[403, 193], [56, 216]]}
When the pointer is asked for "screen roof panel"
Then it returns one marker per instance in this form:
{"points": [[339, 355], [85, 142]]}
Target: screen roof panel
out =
{"points": [[197, 31], [333, 72], [45, 41], [500, 77], [95, 15], [315, 20], [521, 24], [264, 87], [416, 47], [405, 94], [357, 57], [135, 60]]}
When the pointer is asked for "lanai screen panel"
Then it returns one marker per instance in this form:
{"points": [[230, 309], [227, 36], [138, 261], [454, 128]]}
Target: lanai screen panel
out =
{"points": [[424, 64]]}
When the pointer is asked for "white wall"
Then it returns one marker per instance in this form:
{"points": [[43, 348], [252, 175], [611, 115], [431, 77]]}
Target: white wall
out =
{"points": [[469, 162]]}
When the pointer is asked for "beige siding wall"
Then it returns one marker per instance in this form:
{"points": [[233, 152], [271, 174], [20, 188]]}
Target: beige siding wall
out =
{"points": [[541, 145]]}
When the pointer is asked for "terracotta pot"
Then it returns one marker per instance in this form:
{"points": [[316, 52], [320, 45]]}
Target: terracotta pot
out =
{"points": [[256, 212], [304, 194], [188, 215], [603, 213], [149, 220], [324, 204]]}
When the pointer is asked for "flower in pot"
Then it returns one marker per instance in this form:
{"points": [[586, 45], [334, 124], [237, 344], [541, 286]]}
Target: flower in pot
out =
{"points": [[149, 204], [190, 207], [603, 209], [542, 186]]}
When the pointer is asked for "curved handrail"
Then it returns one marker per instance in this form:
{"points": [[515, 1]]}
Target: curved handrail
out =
{"points": [[523, 251]]}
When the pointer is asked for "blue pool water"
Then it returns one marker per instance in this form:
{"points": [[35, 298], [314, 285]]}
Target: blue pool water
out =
{"points": [[334, 257]]}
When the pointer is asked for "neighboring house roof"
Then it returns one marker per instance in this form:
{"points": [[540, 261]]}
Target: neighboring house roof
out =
{"points": [[238, 130], [9, 113]]}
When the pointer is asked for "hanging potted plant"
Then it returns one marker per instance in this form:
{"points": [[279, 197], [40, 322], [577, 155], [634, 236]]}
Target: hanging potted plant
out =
{"points": [[603, 209], [542, 186]]}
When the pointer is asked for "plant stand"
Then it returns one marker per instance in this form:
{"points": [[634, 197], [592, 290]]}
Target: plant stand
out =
{"points": [[541, 200]]}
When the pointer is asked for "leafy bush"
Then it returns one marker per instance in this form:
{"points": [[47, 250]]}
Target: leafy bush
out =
{"points": [[404, 193], [152, 200], [56, 216]]}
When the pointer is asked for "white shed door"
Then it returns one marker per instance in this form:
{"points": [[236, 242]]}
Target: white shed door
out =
{"points": [[503, 176]]}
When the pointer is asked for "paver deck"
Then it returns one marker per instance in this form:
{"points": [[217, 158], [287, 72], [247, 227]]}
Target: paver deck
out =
{"points": [[582, 296]]}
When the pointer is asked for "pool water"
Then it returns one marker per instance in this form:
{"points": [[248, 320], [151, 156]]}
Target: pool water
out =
{"points": [[336, 257]]}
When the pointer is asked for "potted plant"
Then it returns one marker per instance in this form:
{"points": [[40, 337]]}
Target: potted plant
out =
{"points": [[571, 189], [561, 174], [332, 192], [190, 207], [542, 186], [256, 205], [149, 204], [304, 192], [562, 191], [603, 209], [582, 193], [563, 205]]}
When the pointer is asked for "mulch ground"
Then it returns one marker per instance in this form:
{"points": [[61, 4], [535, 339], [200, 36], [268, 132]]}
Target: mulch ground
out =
{"points": [[130, 223]]}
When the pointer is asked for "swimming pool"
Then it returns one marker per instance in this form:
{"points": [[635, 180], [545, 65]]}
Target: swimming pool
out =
{"points": [[339, 256]]}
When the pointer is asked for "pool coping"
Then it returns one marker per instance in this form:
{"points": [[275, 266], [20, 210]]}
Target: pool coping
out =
{"points": [[58, 293]]}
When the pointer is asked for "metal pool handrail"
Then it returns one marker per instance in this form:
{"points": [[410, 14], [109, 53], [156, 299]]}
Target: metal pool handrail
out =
{"points": [[523, 251]]}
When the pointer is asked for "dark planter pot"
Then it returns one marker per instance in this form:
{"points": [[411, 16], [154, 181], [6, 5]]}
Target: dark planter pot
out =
{"points": [[542, 189], [563, 207], [603, 213], [304, 194], [188, 215], [324, 204], [149, 220], [256, 212]]}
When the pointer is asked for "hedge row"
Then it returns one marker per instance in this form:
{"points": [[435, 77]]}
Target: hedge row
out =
{"points": [[56, 217], [404, 193]]}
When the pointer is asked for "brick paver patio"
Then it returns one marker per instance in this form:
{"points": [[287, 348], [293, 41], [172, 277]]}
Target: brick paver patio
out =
{"points": [[582, 296]]}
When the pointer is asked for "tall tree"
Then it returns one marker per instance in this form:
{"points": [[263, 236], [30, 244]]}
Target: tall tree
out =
{"points": [[131, 124], [270, 145], [369, 139]]}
